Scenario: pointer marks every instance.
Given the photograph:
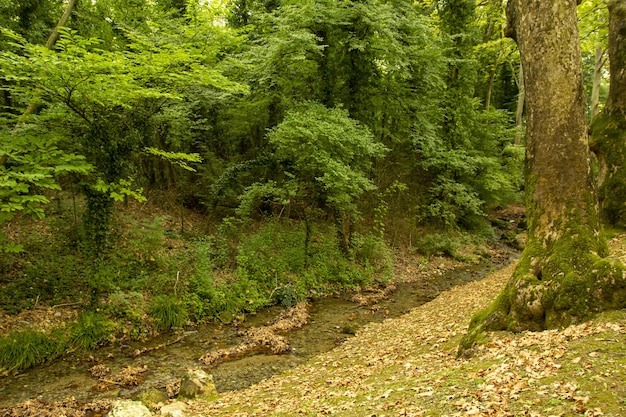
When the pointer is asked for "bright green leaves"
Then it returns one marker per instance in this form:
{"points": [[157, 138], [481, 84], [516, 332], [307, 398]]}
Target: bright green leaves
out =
{"points": [[114, 103], [30, 164], [177, 158], [327, 154], [326, 157], [119, 191]]}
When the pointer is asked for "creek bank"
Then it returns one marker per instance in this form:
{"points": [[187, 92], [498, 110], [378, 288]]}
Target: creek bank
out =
{"points": [[333, 320]]}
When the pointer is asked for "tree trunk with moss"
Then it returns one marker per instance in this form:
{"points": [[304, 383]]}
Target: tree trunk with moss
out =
{"points": [[563, 275], [609, 128]]}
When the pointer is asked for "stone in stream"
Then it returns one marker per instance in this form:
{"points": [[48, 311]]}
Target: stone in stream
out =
{"points": [[197, 384], [175, 409], [128, 408], [152, 397]]}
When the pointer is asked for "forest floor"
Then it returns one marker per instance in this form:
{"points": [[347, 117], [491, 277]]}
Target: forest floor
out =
{"points": [[407, 366]]}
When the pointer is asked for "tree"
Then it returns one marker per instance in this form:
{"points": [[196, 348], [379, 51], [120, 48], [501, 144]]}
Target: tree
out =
{"points": [[564, 274], [465, 161], [609, 129], [593, 22], [108, 105]]}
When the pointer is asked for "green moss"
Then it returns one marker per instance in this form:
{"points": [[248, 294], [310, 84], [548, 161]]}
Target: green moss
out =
{"points": [[608, 141], [556, 283]]}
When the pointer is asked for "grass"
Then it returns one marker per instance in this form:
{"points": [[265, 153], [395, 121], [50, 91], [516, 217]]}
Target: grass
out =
{"points": [[168, 312], [91, 330], [26, 348]]}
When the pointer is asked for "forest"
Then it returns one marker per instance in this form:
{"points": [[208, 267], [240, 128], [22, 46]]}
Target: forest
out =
{"points": [[165, 163]]}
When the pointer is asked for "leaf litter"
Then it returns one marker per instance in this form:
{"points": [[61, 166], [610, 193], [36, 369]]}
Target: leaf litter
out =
{"points": [[407, 366]]}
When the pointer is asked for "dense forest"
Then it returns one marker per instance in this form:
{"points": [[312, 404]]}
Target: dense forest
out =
{"points": [[173, 161]]}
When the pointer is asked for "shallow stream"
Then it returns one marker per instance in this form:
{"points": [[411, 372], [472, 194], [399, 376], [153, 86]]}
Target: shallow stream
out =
{"points": [[332, 321]]}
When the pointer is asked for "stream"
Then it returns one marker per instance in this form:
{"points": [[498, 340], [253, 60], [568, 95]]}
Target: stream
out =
{"points": [[333, 320]]}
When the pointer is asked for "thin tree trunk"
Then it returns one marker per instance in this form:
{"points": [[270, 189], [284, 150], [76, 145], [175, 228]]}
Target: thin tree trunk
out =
{"points": [[617, 53], [597, 78], [519, 114], [54, 36], [492, 77], [609, 128]]}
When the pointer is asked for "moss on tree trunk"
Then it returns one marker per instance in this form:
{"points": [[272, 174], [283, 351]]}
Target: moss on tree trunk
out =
{"points": [[609, 144], [609, 128], [564, 274]]}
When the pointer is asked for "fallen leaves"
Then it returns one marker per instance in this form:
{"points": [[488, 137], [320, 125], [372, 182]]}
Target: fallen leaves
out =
{"points": [[265, 338], [408, 366], [128, 376]]}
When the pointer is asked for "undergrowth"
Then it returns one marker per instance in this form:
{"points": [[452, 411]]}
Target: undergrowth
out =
{"points": [[26, 348], [156, 278]]}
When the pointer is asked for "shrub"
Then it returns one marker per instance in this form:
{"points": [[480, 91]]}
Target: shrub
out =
{"points": [[121, 304], [26, 348], [168, 312], [372, 251], [273, 253], [286, 296], [92, 330]]}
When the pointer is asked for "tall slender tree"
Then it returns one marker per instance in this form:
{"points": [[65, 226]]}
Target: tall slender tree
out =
{"points": [[563, 275], [609, 129]]}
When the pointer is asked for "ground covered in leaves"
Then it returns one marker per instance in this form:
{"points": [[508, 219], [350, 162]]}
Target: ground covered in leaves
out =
{"points": [[408, 367]]}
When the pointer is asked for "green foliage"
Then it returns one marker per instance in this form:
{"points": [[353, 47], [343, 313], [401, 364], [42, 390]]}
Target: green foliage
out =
{"points": [[371, 251], [327, 154], [179, 158], [112, 101], [124, 304], [286, 296], [91, 331], [381, 210], [31, 162], [168, 312], [440, 244], [26, 348], [272, 253]]}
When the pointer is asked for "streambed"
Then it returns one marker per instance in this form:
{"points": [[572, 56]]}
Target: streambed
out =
{"points": [[332, 321]]}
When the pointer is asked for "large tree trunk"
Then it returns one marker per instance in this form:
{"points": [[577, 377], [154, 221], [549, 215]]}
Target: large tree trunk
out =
{"points": [[563, 275], [609, 128]]}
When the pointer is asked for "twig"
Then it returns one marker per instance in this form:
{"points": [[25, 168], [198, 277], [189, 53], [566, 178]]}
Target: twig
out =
{"points": [[66, 304], [113, 382], [140, 352]]}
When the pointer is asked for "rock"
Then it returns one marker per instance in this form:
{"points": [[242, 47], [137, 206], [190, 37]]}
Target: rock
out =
{"points": [[197, 383], [151, 397], [128, 408], [175, 409]]}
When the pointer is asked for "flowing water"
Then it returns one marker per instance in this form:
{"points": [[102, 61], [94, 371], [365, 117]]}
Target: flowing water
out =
{"points": [[332, 321]]}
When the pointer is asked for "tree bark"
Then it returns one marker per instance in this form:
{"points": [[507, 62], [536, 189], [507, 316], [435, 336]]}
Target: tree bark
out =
{"points": [[563, 275], [597, 78], [54, 36], [609, 128], [617, 54], [519, 114]]}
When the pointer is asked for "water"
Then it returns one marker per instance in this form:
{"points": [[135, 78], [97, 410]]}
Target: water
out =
{"points": [[332, 321]]}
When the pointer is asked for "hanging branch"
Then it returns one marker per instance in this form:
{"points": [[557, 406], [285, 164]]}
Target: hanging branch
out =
{"points": [[54, 36]]}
